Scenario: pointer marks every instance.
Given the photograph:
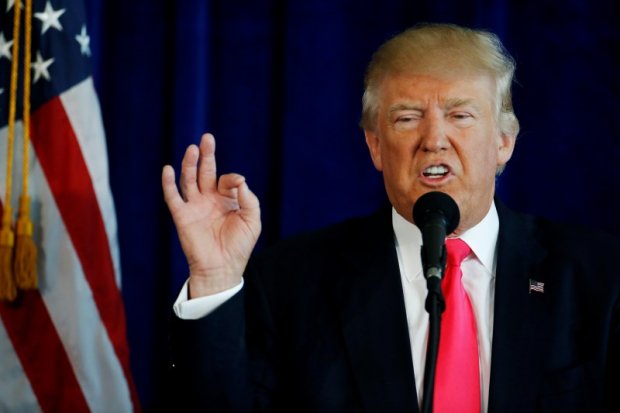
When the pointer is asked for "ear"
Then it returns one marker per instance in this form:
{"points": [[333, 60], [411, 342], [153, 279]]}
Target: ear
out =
{"points": [[372, 140], [506, 145]]}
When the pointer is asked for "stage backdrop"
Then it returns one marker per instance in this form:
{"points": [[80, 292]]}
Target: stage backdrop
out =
{"points": [[279, 84]]}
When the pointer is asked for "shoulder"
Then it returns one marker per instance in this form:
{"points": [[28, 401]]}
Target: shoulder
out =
{"points": [[568, 236], [312, 247], [556, 233], [567, 242], [306, 269], [310, 263]]}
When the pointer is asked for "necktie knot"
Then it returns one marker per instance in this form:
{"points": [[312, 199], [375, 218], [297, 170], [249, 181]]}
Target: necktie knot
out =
{"points": [[458, 250]]}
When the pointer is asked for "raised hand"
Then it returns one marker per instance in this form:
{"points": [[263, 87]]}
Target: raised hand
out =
{"points": [[218, 221]]}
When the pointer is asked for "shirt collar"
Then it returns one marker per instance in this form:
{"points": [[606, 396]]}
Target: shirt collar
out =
{"points": [[481, 238]]}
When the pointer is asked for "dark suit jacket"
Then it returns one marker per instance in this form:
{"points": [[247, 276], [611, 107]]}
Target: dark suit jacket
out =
{"points": [[321, 326]]}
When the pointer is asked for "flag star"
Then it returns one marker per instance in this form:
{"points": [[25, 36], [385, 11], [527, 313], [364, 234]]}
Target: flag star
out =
{"points": [[50, 17], [84, 40], [5, 47], [40, 68], [9, 4]]}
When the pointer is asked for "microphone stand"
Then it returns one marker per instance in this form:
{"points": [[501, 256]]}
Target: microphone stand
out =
{"points": [[435, 306], [436, 214]]}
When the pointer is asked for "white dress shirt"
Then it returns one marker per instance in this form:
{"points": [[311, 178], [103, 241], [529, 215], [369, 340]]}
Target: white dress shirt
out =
{"points": [[478, 280], [196, 308]]}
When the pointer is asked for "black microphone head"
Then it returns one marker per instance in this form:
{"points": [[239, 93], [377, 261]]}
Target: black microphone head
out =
{"points": [[433, 203]]}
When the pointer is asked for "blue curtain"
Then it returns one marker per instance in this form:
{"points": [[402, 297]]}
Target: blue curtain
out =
{"points": [[279, 84]]}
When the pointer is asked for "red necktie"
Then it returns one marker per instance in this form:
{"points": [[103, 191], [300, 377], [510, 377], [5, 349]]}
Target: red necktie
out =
{"points": [[457, 381]]}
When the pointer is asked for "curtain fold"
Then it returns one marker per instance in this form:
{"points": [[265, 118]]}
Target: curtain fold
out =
{"points": [[279, 83]]}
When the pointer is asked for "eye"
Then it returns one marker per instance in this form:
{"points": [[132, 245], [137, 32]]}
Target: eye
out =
{"points": [[461, 115], [406, 121], [405, 115], [462, 118]]}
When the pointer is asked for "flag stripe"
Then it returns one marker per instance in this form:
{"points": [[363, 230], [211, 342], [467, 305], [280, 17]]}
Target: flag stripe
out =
{"points": [[88, 128], [43, 358], [69, 179], [78, 309], [16, 393], [69, 302]]}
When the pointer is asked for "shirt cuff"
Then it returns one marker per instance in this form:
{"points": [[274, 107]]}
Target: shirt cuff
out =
{"points": [[196, 308]]}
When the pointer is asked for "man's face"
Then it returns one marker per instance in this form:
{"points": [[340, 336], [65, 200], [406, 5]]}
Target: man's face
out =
{"points": [[439, 134]]}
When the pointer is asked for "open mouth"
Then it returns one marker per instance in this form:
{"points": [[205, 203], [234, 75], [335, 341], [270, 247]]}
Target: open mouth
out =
{"points": [[436, 171]]}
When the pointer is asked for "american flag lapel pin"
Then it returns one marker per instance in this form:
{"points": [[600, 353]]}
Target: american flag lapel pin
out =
{"points": [[536, 286]]}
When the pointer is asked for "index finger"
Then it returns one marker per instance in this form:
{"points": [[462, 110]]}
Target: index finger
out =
{"points": [[207, 172], [171, 192]]}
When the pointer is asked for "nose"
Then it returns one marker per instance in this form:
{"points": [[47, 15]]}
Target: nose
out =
{"points": [[433, 133]]}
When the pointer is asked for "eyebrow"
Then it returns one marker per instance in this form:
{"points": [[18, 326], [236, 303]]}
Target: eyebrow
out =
{"points": [[458, 102], [404, 106], [448, 104]]}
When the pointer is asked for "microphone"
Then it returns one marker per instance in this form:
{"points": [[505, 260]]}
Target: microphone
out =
{"points": [[437, 215]]}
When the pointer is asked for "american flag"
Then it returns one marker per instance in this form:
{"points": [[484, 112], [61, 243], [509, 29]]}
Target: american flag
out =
{"points": [[63, 347], [537, 286]]}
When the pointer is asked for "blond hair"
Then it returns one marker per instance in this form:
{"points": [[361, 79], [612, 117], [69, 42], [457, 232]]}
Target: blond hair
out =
{"points": [[442, 49]]}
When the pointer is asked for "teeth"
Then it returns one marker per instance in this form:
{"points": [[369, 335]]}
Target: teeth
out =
{"points": [[435, 170]]}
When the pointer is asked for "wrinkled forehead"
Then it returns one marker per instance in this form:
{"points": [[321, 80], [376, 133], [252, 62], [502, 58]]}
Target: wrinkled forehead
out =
{"points": [[446, 62], [443, 84]]}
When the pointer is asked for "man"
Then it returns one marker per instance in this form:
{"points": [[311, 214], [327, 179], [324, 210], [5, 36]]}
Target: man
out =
{"points": [[335, 320]]}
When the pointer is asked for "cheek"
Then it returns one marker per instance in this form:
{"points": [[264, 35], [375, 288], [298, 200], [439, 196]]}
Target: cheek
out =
{"points": [[481, 164], [389, 153], [399, 161], [396, 169]]}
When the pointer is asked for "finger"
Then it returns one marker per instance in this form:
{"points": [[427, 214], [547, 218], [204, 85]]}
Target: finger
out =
{"points": [[189, 167], [207, 174], [248, 202], [228, 184], [171, 192]]}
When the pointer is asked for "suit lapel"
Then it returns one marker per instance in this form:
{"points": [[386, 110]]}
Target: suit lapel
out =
{"points": [[520, 320], [372, 314], [373, 319]]}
